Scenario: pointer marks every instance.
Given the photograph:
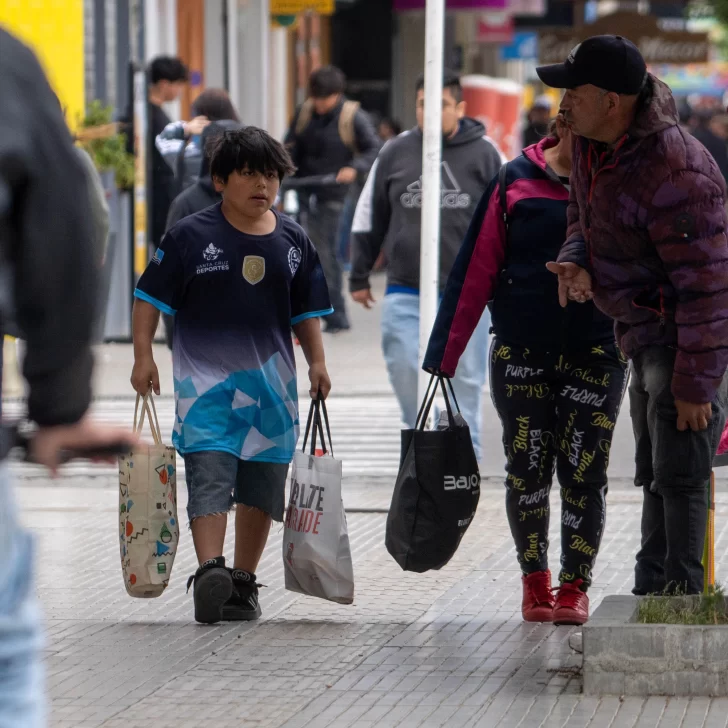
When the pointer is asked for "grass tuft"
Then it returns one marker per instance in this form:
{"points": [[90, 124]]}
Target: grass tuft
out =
{"points": [[704, 609]]}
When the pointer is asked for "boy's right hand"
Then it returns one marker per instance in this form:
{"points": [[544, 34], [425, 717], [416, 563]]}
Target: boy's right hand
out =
{"points": [[145, 374]]}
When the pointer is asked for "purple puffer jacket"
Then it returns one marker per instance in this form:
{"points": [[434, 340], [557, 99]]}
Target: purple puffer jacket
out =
{"points": [[648, 221]]}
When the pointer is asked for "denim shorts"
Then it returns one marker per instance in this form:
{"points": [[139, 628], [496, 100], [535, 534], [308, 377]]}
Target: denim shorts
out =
{"points": [[216, 480]]}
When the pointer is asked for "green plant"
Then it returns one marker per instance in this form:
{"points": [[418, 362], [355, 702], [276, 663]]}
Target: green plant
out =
{"points": [[108, 152], [707, 608]]}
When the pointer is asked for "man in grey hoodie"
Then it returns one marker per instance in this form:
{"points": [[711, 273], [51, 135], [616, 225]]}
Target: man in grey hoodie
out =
{"points": [[389, 216]]}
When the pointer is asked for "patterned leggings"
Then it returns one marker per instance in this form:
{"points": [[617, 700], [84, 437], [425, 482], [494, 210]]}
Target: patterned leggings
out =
{"points": [[558, 412]]}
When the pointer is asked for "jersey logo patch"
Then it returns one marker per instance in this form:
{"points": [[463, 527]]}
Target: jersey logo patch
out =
{"points": [[211, 252], [294, 259], [253, 269]]}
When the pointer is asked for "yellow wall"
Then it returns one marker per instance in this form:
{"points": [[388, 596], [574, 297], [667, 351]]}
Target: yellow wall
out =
{"points": [[54, 29]]}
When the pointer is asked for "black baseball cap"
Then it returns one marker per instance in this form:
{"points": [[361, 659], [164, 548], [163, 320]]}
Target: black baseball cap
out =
{"points": [[610, 62]]}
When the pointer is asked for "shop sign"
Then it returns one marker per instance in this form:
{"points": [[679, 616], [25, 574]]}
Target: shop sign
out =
{"points": [[655, 44], [292, 7], [495, 27]]}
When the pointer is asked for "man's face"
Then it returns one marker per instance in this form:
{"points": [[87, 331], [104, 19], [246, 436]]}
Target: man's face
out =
{"points": [[251, 193], [170, 90], [452, 111], [327, 103], [585, 110]]}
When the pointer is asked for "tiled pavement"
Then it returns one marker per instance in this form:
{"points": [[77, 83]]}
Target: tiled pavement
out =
{"points": [[443, 648]]}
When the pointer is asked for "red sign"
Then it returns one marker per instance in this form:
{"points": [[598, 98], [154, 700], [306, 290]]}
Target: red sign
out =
{"points": [[495, 27]]}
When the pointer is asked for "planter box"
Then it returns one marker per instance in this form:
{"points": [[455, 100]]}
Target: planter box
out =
{"points": [[622, 657]]}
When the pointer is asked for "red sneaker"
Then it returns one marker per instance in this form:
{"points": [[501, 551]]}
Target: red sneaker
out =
{"points": [[572, 604], [538, 598]]}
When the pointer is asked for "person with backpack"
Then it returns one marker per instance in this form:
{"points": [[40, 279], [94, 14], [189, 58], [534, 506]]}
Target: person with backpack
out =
{"points": [[330, 135], [388, 217], [557, 376], [180, 142]]}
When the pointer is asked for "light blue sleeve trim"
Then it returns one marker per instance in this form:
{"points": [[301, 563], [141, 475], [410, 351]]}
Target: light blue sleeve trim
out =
{"points": [[163, 307], [311, 314]]}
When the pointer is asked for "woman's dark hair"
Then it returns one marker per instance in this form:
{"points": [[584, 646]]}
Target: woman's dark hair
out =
{"points": [[215, 104], [252, 148], [325, 82], [167, 68]]}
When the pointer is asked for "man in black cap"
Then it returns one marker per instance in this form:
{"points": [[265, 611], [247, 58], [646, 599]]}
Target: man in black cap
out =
{"points": [[646, 238]]}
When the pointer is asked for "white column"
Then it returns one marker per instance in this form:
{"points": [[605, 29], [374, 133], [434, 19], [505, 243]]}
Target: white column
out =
{"points": [[278, 108], [431, 176], [233, 56], [251, 43]]}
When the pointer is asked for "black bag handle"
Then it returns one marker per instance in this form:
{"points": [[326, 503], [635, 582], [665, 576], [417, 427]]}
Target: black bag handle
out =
{"points": [[429, 398], [426, 404], [314, 417]]}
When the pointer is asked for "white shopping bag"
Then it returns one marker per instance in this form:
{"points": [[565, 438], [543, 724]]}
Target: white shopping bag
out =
{"points": [[148, 526], [316, 553]]}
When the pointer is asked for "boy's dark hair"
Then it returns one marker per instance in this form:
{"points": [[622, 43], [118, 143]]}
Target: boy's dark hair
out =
{"points": [[252, 148], [325, 82], [450, 80], [167, 68], [215, 104]]}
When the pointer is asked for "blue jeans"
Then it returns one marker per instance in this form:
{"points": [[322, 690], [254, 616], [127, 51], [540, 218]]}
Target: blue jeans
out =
{"points": [[400, 344], [22, 699]]}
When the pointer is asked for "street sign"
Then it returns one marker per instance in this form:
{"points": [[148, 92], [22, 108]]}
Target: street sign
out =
{"points": [[292, 7], [523, 48]]}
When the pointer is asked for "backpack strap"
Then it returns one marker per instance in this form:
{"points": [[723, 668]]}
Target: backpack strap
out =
{"points": [[502, 190], [304, 117], [346, 124]]}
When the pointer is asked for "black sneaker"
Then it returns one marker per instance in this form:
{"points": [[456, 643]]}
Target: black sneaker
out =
{"points": [[213, 587], [243, 604]]}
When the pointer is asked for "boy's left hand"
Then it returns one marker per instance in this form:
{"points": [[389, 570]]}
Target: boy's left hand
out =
{"points": [[320, 381]]}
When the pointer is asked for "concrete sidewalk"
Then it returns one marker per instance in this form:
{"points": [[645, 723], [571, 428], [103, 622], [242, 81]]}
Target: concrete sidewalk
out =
{"points": [[435, 649]]}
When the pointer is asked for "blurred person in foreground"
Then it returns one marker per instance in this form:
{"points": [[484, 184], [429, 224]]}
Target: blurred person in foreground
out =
{"points": [[48, 273], [330, 135], [557, 378], [646, 239], [388, 217], [537, 121]]}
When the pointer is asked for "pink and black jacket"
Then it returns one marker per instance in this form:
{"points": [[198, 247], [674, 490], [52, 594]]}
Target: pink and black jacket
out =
{"points": [[511, 271]]}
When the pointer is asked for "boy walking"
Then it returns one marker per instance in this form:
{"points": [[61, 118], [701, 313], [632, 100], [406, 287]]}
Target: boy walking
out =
{"points": [[237, 277]]}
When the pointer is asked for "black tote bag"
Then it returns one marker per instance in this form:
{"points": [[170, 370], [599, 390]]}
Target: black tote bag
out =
{"points": [[437, 489]]}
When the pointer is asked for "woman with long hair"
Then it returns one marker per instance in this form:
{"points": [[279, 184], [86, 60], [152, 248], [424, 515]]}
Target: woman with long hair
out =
{"points": [[557, 377]]}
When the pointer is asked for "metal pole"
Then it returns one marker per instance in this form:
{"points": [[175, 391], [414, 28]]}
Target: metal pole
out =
{"points": [[431, 177]]}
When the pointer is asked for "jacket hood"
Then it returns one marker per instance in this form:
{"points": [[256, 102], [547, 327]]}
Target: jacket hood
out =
{"points": [[535, 153], [657, 112], [470, 131], [211, 131]]}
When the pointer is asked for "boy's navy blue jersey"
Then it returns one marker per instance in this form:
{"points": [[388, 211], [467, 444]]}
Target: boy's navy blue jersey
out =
{"points": [[235, 298]]}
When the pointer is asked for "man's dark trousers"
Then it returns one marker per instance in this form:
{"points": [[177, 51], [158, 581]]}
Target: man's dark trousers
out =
{"points": [[673, 468], [321, 220]]}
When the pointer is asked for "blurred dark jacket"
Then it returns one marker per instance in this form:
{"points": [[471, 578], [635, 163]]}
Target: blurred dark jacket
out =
{"points": [[716, 146], [47, 270]]}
